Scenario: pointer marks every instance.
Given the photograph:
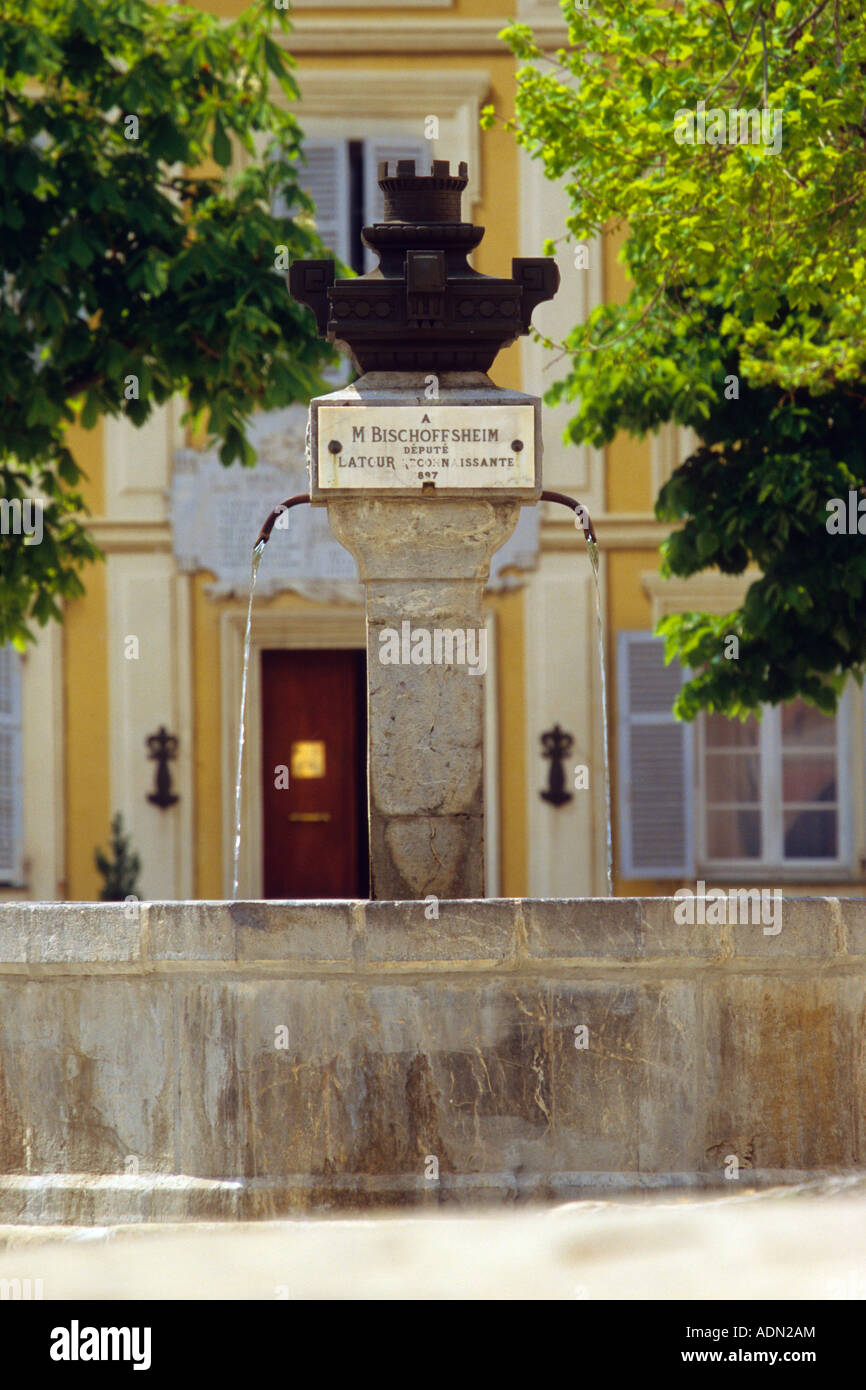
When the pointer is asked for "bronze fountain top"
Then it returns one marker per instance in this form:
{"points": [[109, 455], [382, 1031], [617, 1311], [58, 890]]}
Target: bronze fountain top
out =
{"points": [[423, 307]]}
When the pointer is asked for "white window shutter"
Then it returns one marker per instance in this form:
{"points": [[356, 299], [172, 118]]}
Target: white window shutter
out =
{"points": [[375, 151], [10, 766], [656, 788], [325, 177]]}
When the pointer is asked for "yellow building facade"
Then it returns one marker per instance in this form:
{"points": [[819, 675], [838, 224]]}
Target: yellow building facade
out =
{"points": [[780, 804]]}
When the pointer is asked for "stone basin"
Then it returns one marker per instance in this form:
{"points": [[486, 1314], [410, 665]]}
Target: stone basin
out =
{"points": [[176, 1061]]}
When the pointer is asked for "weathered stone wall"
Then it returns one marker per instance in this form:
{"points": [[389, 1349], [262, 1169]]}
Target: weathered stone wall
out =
{"points": [[140, 1056]]}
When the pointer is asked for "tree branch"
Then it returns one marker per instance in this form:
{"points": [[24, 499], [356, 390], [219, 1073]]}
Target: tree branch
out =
{"points": [[77, 388], [724, 79], [612, 342], [798, 28], [721, 3], [205, 346]]}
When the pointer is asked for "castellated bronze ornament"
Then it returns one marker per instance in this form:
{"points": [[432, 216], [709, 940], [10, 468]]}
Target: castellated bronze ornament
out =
{"points": [[423, 307]]}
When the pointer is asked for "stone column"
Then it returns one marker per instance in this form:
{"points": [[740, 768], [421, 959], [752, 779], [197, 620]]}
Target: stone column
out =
{"points": [[424, 564]]}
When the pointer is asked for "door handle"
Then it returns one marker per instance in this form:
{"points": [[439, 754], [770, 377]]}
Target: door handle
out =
{"points": [[309, 817]]}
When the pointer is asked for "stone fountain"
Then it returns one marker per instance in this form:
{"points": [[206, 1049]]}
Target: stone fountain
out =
{"points": [[213, 1060]]}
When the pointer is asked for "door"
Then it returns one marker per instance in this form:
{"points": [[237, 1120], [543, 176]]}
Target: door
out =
{"points": [[314, 774]]}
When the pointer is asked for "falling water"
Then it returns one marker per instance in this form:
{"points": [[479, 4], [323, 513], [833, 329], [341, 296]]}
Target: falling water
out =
{"points": [[594, 559], [258, 551]]}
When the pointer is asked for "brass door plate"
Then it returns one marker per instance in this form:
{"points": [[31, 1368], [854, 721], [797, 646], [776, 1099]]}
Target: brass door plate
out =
{"points": [[307, 759]]}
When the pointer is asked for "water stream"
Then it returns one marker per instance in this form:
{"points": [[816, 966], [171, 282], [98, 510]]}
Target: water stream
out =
{"points": [[592, 547], [258, 552]]}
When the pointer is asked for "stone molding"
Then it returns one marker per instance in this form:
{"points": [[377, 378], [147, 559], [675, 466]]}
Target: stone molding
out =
{"points": [[125, 537], [508, 936], [410, 35], [370, 5], [705, 593], [614, 530], [343, 98]]}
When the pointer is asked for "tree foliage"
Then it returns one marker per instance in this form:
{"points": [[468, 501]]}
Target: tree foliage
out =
{"points": [[128, 276], [743, 263]]}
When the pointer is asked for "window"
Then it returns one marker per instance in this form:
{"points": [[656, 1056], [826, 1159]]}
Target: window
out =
{"points": [[341, 176], [10, 766], [768, 796], [772, 791]]}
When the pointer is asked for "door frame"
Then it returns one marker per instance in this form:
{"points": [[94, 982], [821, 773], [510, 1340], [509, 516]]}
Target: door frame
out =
{"points": [[325, 629]]}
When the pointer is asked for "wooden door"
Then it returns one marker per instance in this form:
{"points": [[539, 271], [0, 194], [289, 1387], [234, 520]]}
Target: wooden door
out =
{"points": [[314, 774]]}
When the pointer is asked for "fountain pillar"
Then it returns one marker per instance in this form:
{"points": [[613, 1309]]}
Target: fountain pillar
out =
{"points": [[423, 464], [424, 569]]}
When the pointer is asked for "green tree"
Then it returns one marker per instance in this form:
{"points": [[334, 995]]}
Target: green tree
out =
{"points": [[128, 274], [119, 868], [747, 260]]}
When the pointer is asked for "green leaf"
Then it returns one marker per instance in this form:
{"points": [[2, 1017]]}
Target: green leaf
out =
{"points": [[91, 411], [274, 58], [222, 150]]}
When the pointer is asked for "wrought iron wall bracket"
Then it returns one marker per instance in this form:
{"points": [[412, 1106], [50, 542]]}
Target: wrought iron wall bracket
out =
{"points": [[162, 746], [557, 746]]}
